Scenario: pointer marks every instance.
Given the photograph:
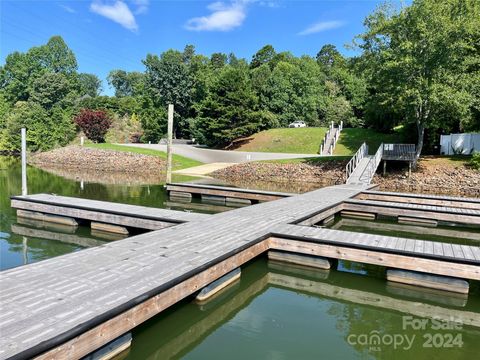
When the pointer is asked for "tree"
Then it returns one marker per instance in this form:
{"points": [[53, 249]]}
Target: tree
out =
{"points": [[125, 83], [420, 60], [94, 124], [263, 56], [45, 130], [293, 91], [230, 110], [56, 57], [169, 79], [50, 89], [218, 60], [90, 84], [329, 57]]}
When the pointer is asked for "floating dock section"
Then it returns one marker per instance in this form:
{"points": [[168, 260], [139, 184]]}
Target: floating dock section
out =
{"points": [[223, 194], [72, 305]]}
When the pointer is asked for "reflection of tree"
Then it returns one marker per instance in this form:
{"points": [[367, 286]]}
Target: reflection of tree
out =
{"points": [[40, 181]]}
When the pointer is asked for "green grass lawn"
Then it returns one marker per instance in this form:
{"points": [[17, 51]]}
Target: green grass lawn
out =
{"points": [[351, 139], [307, 140], [286, 140], [179, 162]]}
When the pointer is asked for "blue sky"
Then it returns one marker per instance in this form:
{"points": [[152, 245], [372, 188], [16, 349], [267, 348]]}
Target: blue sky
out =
{"points": [[118, 34]]}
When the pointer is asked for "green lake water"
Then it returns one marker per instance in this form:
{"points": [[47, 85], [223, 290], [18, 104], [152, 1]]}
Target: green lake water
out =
{"points": [[274, 311], [16, 249], [281, 312]]}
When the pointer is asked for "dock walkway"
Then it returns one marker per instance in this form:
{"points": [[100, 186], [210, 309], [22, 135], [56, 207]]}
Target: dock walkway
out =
{"points": [[68, 306], [113, 213]]}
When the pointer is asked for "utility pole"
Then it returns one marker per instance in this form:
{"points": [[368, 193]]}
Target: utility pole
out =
{"points": [[24, 161], [169, 143]]}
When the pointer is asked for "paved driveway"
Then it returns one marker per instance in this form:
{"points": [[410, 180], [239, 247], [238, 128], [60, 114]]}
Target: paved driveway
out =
{"points": [[220, 156]]}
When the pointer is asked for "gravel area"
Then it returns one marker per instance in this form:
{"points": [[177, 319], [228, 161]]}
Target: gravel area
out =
{"points": [[435, 176], [321, 174], [77, 158]]}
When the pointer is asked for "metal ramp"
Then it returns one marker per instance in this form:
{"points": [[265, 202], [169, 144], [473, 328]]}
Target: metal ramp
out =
{"points": [[362, 167], [359, 174]]}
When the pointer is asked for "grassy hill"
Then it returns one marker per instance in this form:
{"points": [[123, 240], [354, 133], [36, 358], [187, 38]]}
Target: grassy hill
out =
{"points": [[285, 140], [307, 140], [351, 139]]}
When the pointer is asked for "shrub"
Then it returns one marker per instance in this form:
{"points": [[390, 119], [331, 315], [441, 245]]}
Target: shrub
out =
{"points": [[94, 124], [475, 161]]}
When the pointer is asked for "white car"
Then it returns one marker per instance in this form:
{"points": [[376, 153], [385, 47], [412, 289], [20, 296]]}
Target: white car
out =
{"points": [[297, 124]]}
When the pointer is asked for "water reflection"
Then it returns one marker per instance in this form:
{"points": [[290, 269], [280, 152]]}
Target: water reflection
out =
{"points": [[287, 312]]}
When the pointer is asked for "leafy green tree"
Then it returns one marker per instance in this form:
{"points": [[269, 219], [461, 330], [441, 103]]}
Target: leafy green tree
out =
{"points": [[294, 91], [337, 107], [55, 56], [263, 56], [421, 59], [329, 58], [50, 89], [230, 110], [44, 130], [218, 60], [90, 84], [125, 83], [169, 79]]}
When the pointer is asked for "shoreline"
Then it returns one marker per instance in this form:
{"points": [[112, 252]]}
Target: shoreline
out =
{"points": [[90, 159]]}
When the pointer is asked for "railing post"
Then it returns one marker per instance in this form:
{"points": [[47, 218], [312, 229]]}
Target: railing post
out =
{"points": [[24, 161]]}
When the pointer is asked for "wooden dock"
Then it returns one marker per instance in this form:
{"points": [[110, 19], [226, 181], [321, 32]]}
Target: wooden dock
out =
{"points": [[68, 306], [101, 211], [225, 192]]}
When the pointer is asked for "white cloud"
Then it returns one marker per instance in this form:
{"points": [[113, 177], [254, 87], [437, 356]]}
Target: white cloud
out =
{"points": [[224, 17], [117, 11], [321, 26], [67, 8], [142, 6]]}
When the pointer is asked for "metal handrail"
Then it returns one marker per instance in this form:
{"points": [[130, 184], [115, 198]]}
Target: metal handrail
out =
{"points": [[359, 155], [372, 165]]}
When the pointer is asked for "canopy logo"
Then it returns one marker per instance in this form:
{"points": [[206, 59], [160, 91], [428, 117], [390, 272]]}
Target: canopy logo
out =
{"points": [[433, 333]]}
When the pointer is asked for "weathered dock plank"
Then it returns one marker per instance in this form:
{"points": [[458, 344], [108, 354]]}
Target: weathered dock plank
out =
{"points": [[113, 213], [103, 292], [78, 302], [428, 212], [225, 191]]}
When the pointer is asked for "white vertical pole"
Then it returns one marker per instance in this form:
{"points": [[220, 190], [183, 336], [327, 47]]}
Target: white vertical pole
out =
{"points": [[24, 161], [169, 143], [82, 140]]}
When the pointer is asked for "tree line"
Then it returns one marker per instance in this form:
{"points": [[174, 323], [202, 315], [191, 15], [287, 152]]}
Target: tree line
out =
{"points": [[418, 68]]}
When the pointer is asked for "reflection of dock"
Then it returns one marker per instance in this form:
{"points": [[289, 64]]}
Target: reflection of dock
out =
{"points": [[202, 324], [361, 297], [207, 321], [50, 235], [91, 297]]}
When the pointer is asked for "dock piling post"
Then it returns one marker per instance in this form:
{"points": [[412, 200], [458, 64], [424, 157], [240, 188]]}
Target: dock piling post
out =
{"points": [[24, 161], [169, 143]]}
